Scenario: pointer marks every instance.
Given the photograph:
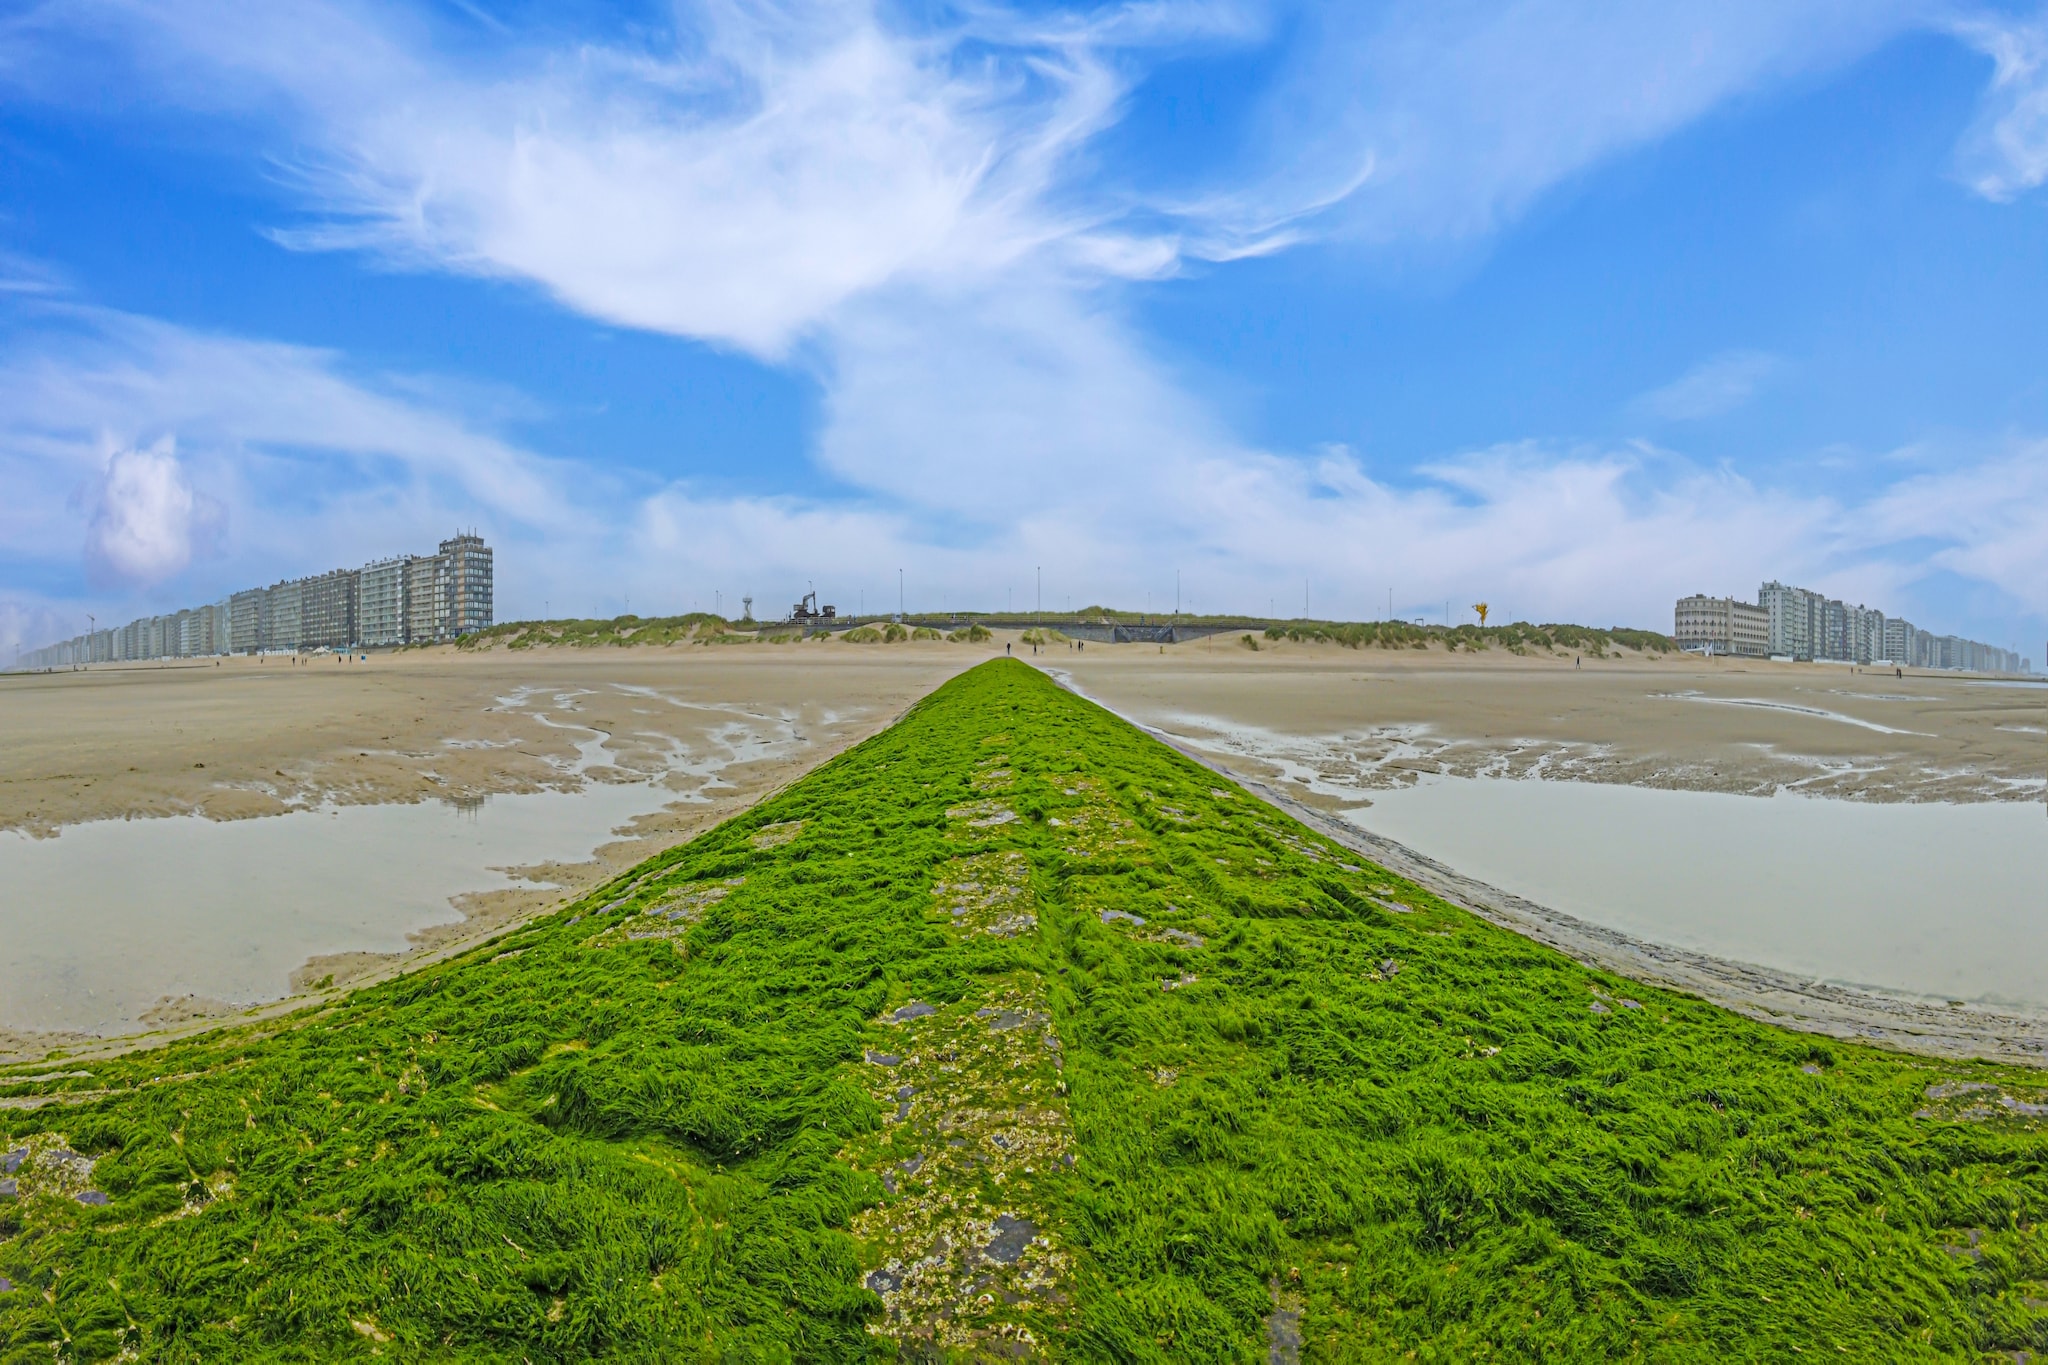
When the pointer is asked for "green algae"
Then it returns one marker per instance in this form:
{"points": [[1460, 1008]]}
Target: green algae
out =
{"points": [[1248, 1095]]}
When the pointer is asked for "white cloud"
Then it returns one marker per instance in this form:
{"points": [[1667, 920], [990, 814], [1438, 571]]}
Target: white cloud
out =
{"points": [[899, 208], [1109, 494], [2005, 153], [146, 520], [152, 445], [1988, 521], [735, 181], [1466, 111], [1713, 387]]}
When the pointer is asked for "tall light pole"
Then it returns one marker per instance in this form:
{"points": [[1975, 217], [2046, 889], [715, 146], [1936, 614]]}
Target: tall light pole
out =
{"points": [[1038, 610], [1176, 592], [92, 624], [899, 594]]}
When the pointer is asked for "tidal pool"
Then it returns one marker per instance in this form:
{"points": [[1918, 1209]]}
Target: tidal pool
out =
{"points": [[99, 923], [1939, 901]]}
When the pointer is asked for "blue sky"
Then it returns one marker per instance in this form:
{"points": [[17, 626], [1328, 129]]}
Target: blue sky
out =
{"points": [[1567, 307]]}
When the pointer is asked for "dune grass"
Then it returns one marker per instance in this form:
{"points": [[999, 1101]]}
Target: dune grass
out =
{"points": [[1519, 637], [1012, 1032], [699, 627]]}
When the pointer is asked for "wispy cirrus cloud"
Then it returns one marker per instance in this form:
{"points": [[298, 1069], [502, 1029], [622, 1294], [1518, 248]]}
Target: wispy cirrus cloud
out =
{"points": [[2005, 152], [733, 179], [1466, 112], [1717, 385]]}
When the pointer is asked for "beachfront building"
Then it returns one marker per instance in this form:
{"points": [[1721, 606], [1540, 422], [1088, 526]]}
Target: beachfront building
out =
{"points": [[380, 602], [410, 599], [426, 596], [1722, 625], [470, 571], [328, 610], [1797, 623], [285, 617]]}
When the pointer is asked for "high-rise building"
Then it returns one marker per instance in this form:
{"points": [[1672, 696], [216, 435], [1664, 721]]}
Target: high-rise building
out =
{"points": [[470, 603], [411, 599], [380, 604], [1793, 616], [328, 610], [1799, 624], [286, 616], [426, 598]]}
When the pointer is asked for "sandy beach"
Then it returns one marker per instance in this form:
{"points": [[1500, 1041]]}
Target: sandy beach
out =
{"points": [[1376, 718], [1318, 728], [719, 727]]}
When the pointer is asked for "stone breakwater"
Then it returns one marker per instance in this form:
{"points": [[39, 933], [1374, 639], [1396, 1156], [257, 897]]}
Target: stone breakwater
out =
{"points": [[1773, 996]]}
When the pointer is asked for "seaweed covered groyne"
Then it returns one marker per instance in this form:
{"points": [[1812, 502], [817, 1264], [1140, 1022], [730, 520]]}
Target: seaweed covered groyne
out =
{"points": [[1012, 1033]]}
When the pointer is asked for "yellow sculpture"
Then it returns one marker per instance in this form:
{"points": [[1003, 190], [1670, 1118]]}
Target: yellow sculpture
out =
{"points": [[1480, 607]]}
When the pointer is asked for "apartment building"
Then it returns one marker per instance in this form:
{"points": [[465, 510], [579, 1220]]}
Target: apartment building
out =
{"points": [[408, 599], [327, 610], [426, 597], [1800, 624], [470, 571], [1722, 625], [380, 602]]}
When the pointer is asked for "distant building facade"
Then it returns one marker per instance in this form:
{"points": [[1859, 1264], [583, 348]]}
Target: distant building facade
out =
{"points": [[1797, 623], [412, 599], [1722, 625]]}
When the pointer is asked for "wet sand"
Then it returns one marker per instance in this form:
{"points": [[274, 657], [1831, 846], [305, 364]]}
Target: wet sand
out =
{"points": [[1318, 730], [716, 728], [1371, 719], [256, 737]]}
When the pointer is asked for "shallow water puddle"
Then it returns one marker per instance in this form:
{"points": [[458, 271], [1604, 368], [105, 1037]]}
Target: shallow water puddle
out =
{"points": [[1944, 901], [99, 923]]}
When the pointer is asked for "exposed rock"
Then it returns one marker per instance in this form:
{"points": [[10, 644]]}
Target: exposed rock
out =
{"points": [[1283, 1328], [959, 1274], [773, 836], [1012, 1236]]}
